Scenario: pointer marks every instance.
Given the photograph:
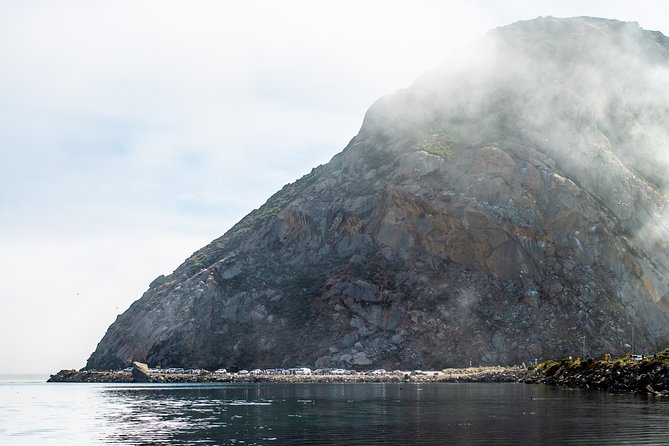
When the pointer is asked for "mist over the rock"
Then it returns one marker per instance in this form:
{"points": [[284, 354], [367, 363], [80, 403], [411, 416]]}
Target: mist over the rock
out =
{"points": [[507, 206]]}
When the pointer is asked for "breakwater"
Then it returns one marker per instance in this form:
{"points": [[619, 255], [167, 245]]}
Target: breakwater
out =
{"points": [[648, 376], [471, 374]]}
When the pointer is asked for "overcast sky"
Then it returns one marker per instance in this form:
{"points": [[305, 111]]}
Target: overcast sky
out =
{"points": [[133, 133]]}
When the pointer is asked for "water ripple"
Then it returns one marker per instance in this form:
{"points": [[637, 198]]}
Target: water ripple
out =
{"points": [[326, 414]]}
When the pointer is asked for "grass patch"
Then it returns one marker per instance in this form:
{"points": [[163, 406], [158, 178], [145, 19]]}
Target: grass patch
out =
{"points": [[436, 144]]}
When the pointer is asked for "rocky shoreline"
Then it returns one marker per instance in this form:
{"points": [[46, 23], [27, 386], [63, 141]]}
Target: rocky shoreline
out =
{"points": [[472, 374], [648, 376]]}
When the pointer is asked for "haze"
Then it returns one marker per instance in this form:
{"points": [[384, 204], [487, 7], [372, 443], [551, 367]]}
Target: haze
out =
{"points": [[132, 134]]}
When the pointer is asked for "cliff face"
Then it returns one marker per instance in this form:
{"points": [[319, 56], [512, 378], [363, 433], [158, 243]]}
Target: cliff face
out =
{"points": [[505, 207]]}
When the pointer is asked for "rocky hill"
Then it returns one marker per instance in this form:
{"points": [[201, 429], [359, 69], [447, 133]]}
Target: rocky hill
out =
{"points": [[507, 206]]}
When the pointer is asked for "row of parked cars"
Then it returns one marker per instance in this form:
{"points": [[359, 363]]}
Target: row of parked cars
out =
{"points": [[173, 370], [308, 371], [291, 371], [275, 371]]}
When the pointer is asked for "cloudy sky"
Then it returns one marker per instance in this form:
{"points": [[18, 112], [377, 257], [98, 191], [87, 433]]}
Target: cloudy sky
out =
{"points": [[132, 133]]}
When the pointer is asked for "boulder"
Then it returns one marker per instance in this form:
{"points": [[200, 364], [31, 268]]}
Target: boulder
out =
{"points": [[140, 372]]}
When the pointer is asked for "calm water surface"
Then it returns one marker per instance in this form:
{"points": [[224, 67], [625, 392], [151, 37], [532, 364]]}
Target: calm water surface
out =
{"points": [[33, 413]]}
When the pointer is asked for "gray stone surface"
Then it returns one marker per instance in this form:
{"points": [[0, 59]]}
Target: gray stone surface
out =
{"points": [[140, 372]]}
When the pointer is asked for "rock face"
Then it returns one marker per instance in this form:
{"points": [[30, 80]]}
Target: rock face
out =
{"points": [[507, 206]]}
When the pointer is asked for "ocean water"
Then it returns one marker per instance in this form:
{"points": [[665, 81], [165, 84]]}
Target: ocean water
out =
{"points": [[35, 413]]}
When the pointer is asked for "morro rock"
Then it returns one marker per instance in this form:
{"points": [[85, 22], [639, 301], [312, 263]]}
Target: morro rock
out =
{"points": [[507, 206]]}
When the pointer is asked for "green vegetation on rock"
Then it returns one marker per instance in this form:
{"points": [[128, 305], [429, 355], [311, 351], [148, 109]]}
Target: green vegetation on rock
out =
{"points": [[436, 144], [648, 375]]}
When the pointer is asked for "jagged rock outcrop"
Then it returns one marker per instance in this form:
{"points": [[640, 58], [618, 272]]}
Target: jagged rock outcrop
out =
{"points": [[648, 376], [507, 206]]}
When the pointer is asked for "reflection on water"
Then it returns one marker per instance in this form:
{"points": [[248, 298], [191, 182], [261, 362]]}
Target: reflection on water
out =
{"points": [[352, 414]]}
